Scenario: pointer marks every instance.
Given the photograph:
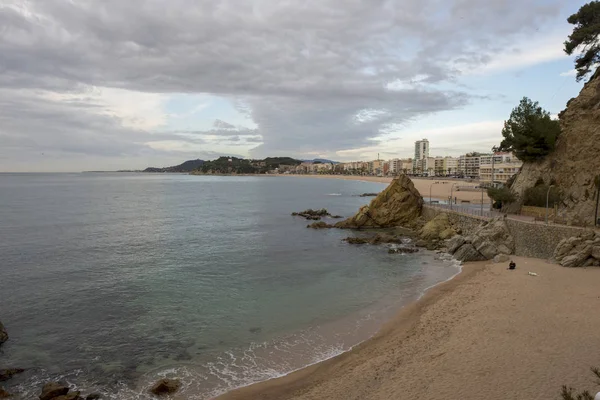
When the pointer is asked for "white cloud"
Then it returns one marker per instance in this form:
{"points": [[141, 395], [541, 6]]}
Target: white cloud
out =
{"points": [[525, 53], [572, 72], [137, 110]]}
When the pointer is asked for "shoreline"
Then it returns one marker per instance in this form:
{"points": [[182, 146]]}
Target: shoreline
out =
{"points": [[486, 333], [401, 316]]}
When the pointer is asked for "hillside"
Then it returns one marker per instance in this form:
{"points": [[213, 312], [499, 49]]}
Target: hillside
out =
{"points": [[188, 166], [575, 163]]}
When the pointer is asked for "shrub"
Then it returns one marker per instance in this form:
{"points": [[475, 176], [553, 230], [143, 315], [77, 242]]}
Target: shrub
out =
{"points": [[567, 392], [501, 196], [536, 196]]}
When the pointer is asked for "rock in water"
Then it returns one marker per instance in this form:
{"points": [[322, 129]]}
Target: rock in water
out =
{"points": [[93, 396], [6, 374], [165, 386], [319, 225], [52, 390], [400, 204], [3, 334], [4, 394], [70, 396]]}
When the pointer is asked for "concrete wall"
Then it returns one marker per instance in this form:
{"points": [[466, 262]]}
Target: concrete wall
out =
{"points": [[531, 239]]}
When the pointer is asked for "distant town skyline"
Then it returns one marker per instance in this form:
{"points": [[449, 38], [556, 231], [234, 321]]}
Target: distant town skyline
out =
{"points": [[108, 85]]}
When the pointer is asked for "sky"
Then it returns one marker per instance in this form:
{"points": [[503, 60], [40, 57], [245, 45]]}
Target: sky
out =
{"points": [[113, 84]]}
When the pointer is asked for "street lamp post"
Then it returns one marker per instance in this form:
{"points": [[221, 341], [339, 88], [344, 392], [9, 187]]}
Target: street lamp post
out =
{"points": [[451, 194], [547, 196], [482, 201], [430, 191]]}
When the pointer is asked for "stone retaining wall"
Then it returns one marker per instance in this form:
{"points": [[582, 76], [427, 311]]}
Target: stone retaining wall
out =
{"points": [[531, 239]]}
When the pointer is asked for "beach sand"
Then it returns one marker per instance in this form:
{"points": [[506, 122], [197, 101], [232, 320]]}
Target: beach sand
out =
{"points": [[489, 333], [440, 190]]}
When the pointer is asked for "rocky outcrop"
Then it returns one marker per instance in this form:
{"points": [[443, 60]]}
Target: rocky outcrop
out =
{"points": [[165, 386], [3, 334], [315, 215], [437, 229], [402, 250], [579, 251], [487, 241], [7, 373], [400, 204], [52, 390], [319, 225], [574, 164]]}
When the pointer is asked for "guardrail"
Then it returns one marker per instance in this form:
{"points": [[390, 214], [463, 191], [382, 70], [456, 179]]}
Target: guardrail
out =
{"points": [[474, 211]]}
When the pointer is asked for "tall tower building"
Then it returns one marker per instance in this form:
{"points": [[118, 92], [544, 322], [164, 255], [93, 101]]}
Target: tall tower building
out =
{"points": [[420, 163]]}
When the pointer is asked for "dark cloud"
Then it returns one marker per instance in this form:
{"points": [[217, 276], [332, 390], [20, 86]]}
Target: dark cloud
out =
{"points": [[303, 71]]}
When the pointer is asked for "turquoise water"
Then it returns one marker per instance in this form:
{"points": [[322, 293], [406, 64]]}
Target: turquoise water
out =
{"points": [[109, 281]]}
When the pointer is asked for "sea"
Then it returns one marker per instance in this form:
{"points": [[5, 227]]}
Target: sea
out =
{"points": [[110, 281]]}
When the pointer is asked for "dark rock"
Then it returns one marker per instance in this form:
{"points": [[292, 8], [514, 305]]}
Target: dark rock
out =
{"points": [[6, 374], [356, 240], [369, 194], [93, 396], [3, 334], [313, 215], [69, 396], [319, 225], [52, 390], [4, 394], [421, 243], [336, 216], [165, 386]]}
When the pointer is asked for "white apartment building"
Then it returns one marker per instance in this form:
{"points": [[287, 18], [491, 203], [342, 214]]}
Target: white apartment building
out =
{"points": [[468, 165], [500, 168], [421, 160]]}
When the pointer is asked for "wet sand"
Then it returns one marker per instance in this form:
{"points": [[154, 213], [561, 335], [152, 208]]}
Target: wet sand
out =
{"points": [[489, 333], [440, 188]]}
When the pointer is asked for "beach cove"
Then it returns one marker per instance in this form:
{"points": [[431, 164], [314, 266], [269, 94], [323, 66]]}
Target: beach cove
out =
{"points": [[489, 333]]}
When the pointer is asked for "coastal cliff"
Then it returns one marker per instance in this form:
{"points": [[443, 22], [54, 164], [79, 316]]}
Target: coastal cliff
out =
{"points": [[400, 204], [574, 164]]}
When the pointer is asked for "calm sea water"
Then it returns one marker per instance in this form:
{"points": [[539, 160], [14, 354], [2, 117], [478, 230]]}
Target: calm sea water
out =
{"points": [[109, 281]]}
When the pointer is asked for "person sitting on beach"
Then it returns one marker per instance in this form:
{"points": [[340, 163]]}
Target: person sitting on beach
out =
{"points": [[512, 265]]}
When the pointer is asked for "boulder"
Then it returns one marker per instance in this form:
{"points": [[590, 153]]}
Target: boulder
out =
{"points": [[319, 225], [52, 390], [4, 394], [400, 204], [93, 396], [467, 252], [454, 243], [3, 334], [438, 228], [500, 258], [6, 374], [356, 240], [165, 386], [69, 396]]}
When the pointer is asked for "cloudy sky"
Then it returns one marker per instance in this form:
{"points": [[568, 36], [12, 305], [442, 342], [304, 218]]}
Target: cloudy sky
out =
{"points": [[114, 84]]}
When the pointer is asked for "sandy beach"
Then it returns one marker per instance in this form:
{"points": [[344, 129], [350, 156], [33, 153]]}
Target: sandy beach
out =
{"points": [[440, 188], [489, 333]]}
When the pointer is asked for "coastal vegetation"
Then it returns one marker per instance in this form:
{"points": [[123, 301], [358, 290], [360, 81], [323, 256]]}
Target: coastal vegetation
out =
{"points": [[235, 165], [501, 196], [530, 132], [585, 37]]}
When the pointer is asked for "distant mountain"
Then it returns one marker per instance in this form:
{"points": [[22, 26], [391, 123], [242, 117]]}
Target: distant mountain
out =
{"points": [[188, 166], [322, 161]]}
